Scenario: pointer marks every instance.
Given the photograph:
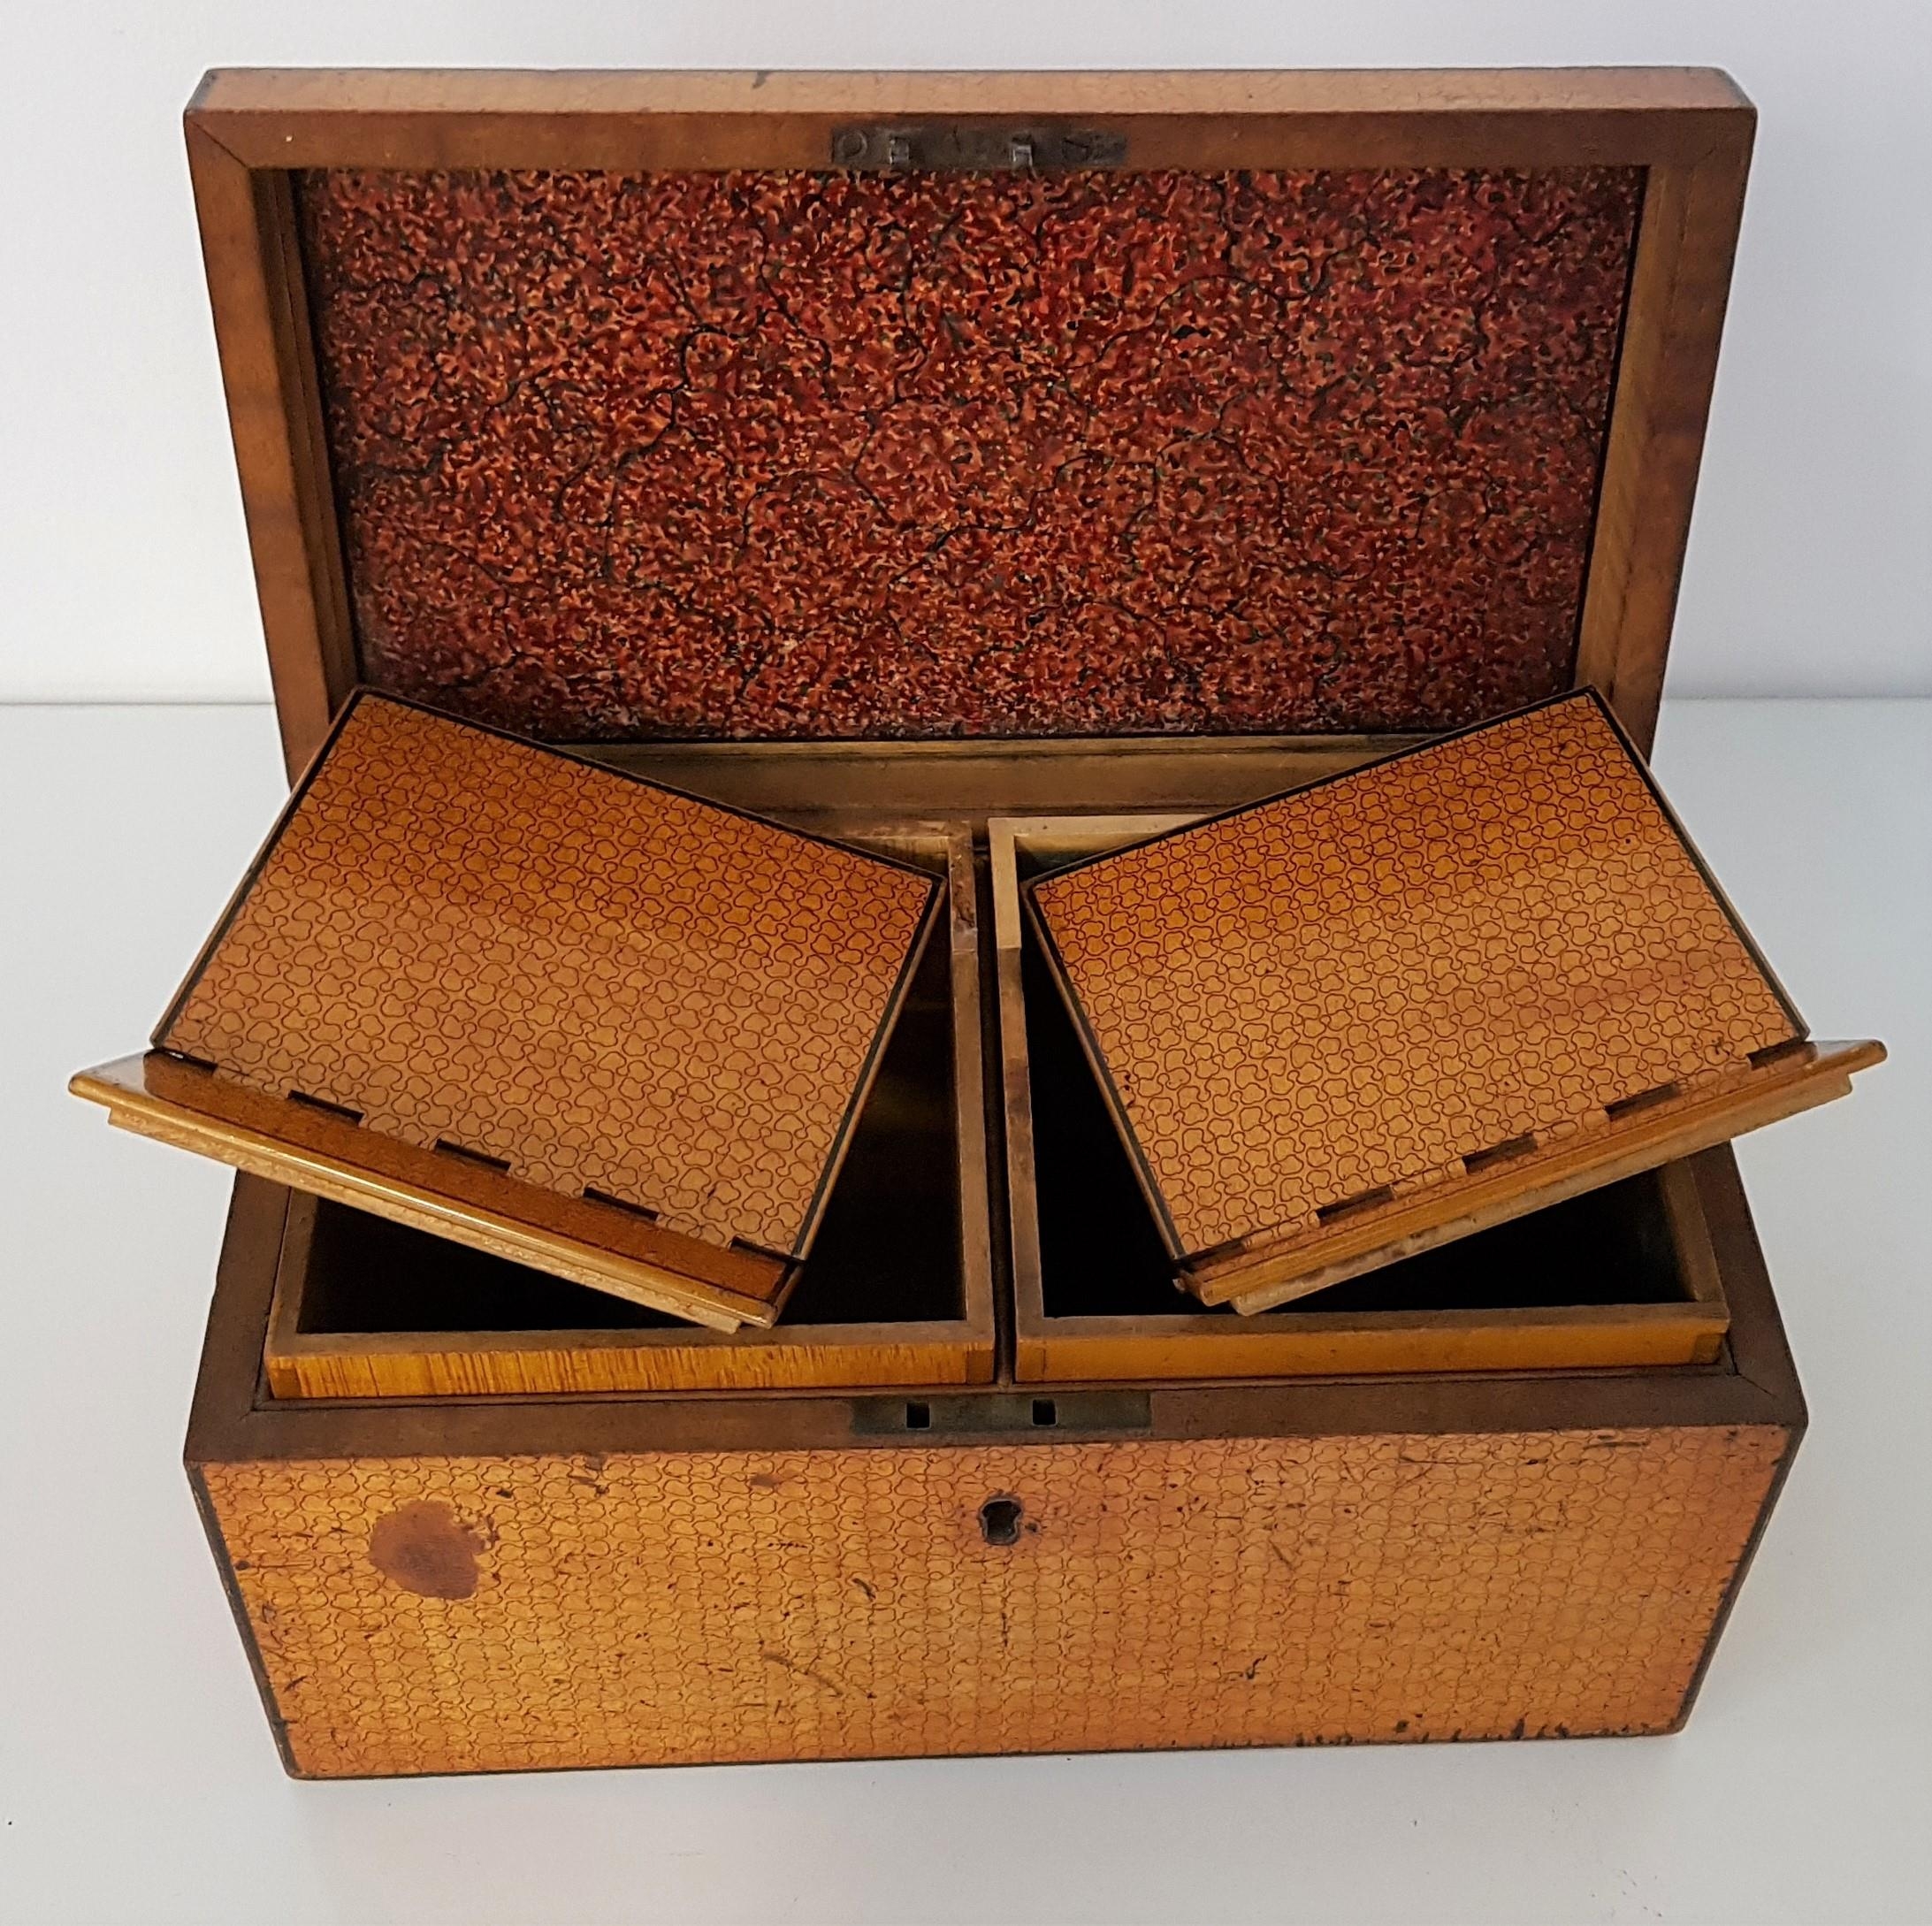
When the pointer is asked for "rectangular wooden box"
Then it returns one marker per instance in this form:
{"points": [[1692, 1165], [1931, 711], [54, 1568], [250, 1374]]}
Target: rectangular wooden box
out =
{"points": [[434, 1582], [448, 1578], [506, 1582]]}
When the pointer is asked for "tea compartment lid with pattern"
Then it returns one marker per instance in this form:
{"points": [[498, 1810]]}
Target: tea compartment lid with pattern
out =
{"points": [[1391, 1008], [543, 1007]]}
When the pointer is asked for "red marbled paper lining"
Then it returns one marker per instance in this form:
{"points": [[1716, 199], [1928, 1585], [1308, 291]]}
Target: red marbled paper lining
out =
{"points": [[798, 455]]}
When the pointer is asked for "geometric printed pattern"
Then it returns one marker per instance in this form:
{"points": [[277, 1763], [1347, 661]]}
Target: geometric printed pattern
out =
{"points": [[478, 1614], [1363, 983], [799, 454], [605, 985]]}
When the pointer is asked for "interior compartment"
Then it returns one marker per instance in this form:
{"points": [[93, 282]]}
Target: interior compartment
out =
{"points": [[1620, 1277], [897, 1289], [1101, 1254], [888, 1252]]}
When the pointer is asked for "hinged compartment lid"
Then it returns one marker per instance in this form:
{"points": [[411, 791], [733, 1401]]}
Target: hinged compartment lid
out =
{"points": [[1381, 1012], [543, 1008], [812, 408]]}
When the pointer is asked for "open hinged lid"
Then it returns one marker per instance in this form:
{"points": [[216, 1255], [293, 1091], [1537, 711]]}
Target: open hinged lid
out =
{"points": [[809, 407], [1394, 1007], [543, 1008]]}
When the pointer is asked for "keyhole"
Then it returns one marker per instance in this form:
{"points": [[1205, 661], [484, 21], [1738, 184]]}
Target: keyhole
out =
{"points": [[999, 1521]]}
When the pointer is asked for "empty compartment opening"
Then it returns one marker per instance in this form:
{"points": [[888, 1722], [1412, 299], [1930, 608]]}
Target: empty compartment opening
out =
{"points": [[888, 1250], [1101, 1254]]}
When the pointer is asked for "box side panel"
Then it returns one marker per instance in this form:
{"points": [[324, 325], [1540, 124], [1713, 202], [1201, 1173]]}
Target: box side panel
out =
{"points": [[461, 1614]]}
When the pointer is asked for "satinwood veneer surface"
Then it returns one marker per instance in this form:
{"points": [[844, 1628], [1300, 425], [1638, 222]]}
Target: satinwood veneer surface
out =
{"points": [[764, 1604], [468, 965], [1410, 995]]}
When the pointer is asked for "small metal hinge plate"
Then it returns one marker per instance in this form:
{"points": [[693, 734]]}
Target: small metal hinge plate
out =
{"points": [[973, 149]]}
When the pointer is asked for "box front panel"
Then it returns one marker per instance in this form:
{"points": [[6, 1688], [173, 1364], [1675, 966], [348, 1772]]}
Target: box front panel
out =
{"points": [[431, 1615]]}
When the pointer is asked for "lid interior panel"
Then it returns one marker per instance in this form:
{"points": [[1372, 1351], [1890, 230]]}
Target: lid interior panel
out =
{"points": [[786, 455]]}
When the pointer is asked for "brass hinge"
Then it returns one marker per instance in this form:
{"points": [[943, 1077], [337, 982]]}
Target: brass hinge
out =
{"points": [[970, 148]]}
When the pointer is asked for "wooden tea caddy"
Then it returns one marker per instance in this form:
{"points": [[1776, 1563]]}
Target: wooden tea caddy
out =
{"points": [[990, 1491]]}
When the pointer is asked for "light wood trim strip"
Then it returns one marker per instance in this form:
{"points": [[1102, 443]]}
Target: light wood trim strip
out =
{"points": [[813, 784], [1015, 1099], [1569, 1167], [1564, 1338], [969, 1096], [597, 1368], [1502, 117], [157, 1097], [1690, 1234]]}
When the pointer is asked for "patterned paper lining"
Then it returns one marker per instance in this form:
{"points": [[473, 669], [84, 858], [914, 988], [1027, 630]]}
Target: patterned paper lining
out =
{"points": [[824, 455], [1382, 980]]}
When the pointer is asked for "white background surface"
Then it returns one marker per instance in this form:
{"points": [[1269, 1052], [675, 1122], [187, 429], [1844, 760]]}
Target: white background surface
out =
{"points": [[1810, 570], [137, 1780]]}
